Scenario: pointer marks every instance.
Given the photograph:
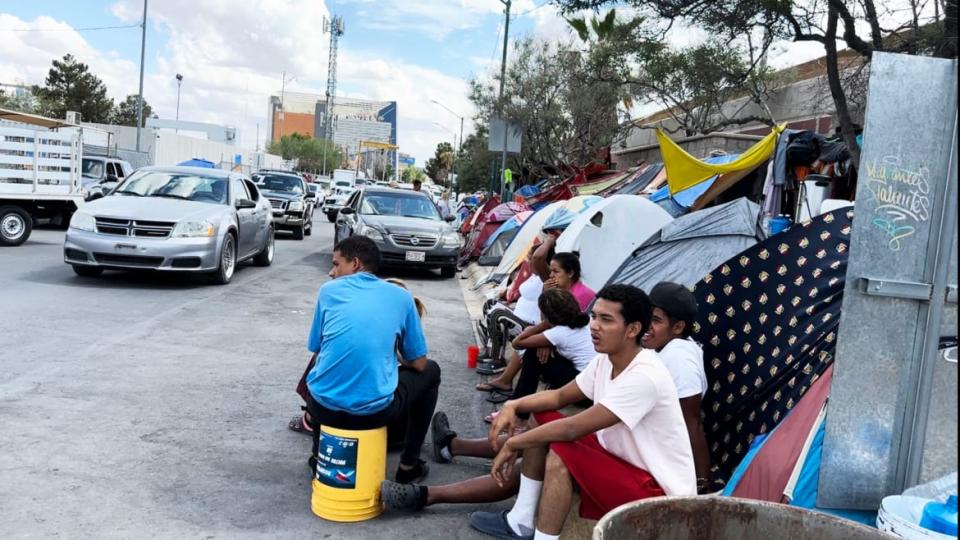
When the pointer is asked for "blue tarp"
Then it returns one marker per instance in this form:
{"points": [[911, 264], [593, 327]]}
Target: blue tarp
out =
{"points": [[507, 226], [564, 217], [528, 191], [197, 162], [687, 197]]}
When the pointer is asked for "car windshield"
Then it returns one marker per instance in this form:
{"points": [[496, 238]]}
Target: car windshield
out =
{"points": [[343, 183], [313, 188], [399, 204], [187, 186], [92, 168], [279, 182]]}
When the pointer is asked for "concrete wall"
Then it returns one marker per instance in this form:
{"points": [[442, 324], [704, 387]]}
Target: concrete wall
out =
{"points": [[698, 146]]}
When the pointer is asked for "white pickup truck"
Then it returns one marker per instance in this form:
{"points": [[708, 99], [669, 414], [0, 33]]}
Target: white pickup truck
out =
{"points": [[39, 178]]}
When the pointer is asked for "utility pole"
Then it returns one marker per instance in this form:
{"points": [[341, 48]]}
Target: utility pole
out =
{"points": [[336, 28], [179, 83], [143, 47], [503, 80]]}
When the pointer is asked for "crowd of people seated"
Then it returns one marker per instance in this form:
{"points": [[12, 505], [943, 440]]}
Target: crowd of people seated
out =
{"points": [[601, 391]]}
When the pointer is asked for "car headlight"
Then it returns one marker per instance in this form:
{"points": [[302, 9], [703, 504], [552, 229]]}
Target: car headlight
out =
{"points": [[452, 240], [295, 206], [193, 229], [82, 221], [371, 233]]}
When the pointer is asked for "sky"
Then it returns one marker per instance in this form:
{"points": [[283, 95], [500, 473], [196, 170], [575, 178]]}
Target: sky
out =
{"points": [[233, 54]]}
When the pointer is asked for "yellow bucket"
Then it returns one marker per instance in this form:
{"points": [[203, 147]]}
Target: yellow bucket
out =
{"points": [[350, 467]]}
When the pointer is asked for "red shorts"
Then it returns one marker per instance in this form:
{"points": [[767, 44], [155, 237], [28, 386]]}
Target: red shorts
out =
{"points": [[605, 480]]}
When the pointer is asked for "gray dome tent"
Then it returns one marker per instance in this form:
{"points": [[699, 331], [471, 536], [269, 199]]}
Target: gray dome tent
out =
{"points": [[689, 247]]}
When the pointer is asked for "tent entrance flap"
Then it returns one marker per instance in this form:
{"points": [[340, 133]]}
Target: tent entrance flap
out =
{"points": [[684, 170]]}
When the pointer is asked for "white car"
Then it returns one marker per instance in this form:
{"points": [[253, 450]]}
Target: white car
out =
{"points": [[336, 200]]}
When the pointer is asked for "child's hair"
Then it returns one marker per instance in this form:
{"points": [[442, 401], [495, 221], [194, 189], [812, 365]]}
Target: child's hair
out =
{"points": [[560, 308], [421, 308]]}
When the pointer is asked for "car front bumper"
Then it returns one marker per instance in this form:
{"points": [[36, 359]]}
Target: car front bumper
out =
{"points": [[86, 248], [288, 221], [433, 258]]}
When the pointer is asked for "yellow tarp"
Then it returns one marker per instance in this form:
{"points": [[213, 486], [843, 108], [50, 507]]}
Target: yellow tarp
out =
{"points": [[684, 170]]}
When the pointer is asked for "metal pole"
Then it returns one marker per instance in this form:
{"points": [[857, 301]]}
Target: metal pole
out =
{"points": [[503, 80], [457, 163], [179, 83], [283, 85], [143, 47]]}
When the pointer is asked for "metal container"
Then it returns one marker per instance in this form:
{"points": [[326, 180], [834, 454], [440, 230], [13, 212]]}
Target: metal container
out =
{"points": [[712, 518]]}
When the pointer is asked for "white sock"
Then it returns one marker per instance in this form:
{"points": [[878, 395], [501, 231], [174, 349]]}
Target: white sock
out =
{"points": [[544, 536], [524, 511]]}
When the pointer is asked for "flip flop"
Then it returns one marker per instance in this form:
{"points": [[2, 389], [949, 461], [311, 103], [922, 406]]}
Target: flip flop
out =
{"points": [[298, 424], [490, 387], [497, 397]]}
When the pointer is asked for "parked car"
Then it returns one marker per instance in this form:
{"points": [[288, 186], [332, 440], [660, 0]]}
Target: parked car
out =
{"points": [[291, 199], [405, 224], [177, 219], [100, 174], [334, 201]]}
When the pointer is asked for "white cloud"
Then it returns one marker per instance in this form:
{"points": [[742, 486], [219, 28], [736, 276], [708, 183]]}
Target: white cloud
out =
{"points": [[436, 19]]}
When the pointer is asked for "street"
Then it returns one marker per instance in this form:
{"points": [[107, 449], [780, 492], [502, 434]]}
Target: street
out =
{"points": [[140, 405]]}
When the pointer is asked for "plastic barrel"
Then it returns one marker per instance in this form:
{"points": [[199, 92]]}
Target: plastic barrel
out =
{"points": [[901, 515], [350, 467], [708, 518]]}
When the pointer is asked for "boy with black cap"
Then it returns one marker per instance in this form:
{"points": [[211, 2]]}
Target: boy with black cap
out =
{"points": [[674, 312]]}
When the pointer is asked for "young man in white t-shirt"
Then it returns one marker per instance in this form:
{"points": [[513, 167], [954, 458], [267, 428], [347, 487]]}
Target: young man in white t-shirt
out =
{"points": [[671, 325], [631, 444]]}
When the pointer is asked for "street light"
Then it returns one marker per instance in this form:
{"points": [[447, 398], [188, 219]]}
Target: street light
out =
{"points": [[451, 132], [456, 161], [179, 82], [283, 86]]}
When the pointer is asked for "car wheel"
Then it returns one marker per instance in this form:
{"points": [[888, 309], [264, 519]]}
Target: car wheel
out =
{"points": [[331, 217], [87, 271], [15, 225], [298, 233], [448, 271], [228, 261], [265, 257]]}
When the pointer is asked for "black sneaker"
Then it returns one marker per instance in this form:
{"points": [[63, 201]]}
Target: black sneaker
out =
{"points": [[414, 475], [490, 368], [403, 497], [441, 435]]}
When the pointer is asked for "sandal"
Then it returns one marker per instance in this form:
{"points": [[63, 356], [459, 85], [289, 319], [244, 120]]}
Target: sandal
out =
{"points": [[299, 424], [490, 387], [497, 397]]}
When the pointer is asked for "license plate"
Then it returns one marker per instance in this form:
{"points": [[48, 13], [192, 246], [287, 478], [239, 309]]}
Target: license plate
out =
{"points": [[416, 256]]}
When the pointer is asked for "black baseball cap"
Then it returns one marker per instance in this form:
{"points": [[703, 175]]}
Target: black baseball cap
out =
{"points": [[675, 300]]}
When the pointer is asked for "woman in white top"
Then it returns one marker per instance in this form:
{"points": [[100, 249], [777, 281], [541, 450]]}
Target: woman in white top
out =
{"points": [[444, 205]]}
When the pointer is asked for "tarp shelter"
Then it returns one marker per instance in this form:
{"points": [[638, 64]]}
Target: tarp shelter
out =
{"points": [[197, 162], [768, 324], [517, 251], [528, 191], [486, 224], [564, 215], [645, 175], [679, 203], [601, 184], [684, 170], [498, 242], [689, 247], [471, 220], [607, 232]]}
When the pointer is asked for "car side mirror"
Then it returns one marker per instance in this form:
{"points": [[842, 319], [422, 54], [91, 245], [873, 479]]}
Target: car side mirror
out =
{"points": [[346, 210], [112, 178], [450, 219], [245, 204]]}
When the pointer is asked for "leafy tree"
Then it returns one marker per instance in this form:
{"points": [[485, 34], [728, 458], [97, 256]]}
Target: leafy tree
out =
{"points": [[70, 86], [440, 165], [25, 102], [473, 161], [125, 113], [308, 151], [413, 173], [568, 114], [864, 26]]}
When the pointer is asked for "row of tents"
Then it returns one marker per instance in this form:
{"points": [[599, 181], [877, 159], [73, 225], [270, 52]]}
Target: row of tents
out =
{"points": [[769, 303]]}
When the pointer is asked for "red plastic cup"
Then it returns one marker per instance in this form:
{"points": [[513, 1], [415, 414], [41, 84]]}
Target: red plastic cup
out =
{"points": [[473, 352]]}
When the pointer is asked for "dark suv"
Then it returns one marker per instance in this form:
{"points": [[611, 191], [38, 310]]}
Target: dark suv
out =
{"points": [[291, 200], [406, 225]]}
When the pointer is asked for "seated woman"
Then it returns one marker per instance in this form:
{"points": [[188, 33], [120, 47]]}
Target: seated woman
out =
{"points": [[563, 273]]}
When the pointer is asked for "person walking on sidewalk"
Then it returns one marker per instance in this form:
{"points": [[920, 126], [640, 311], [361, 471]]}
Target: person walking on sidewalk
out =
{"points": [[359, 324]]}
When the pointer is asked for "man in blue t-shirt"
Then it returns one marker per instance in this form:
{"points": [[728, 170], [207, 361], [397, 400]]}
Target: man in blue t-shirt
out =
{"points": [[360, 324]]}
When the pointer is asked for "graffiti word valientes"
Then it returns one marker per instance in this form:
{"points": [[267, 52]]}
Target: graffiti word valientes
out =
{"points": [[902, 196]]}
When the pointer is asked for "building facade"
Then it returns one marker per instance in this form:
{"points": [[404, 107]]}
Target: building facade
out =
{"points": [[353, 120]]}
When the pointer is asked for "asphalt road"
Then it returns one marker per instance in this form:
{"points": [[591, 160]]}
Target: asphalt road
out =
{"points": [[141, 405]]}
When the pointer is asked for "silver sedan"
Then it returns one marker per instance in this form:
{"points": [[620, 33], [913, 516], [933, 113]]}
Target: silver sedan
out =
{"points": [[178, 219]]}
